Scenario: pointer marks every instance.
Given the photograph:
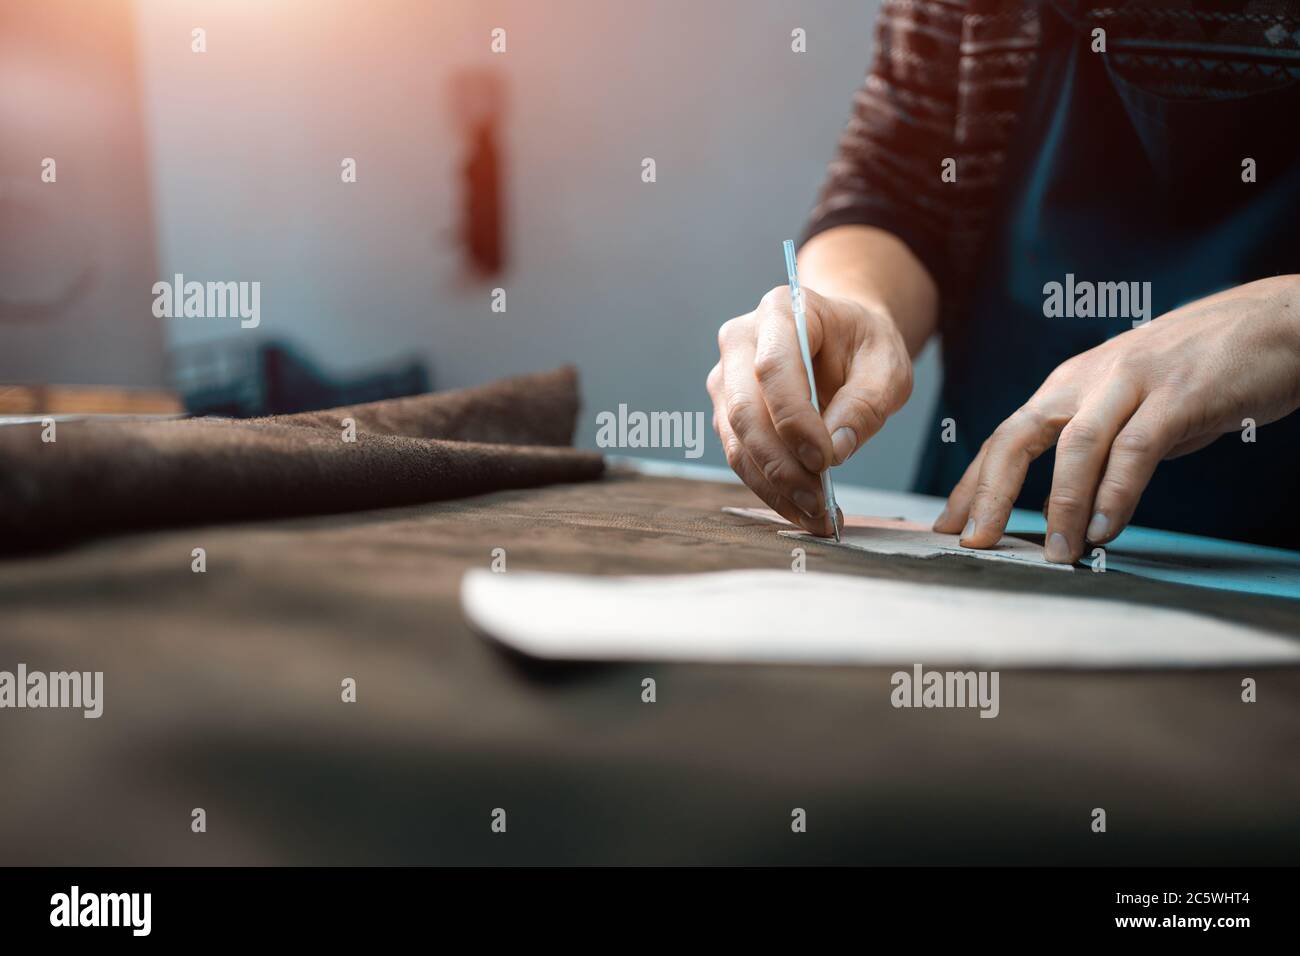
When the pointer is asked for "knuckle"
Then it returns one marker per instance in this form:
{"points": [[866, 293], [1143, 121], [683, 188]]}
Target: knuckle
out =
{"points": [[1030, 415], [777, 297], [1055, 379], [734, 453], [990, 494], [1079, 434], [1024, 435], [1065, 373], [732, 331], [724, 333], [740, 416], [903, 382], [1002, 435], [772, 471], [866, 412], [1136, 443], [769, 367], [984, 487], [1129, 366], [1114, 489], [1181, 380], [788, 417], [1065, 499]]}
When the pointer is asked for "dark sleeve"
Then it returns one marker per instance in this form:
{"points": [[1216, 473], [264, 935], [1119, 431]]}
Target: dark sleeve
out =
{"points": [[886, 169]]}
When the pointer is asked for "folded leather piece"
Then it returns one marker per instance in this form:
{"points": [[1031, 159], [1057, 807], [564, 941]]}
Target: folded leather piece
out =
{"points": [[104, 476], [537, 409]]}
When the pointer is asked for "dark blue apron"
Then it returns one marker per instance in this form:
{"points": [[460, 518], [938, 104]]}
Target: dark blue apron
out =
{"points": [[1112, 183]]}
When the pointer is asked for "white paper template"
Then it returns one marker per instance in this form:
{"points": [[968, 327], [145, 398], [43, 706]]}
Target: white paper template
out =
{"points": [[900, 536], [821, 618]]}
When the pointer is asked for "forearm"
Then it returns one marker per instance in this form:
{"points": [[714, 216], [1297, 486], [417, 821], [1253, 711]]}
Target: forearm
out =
{"points": [[877, 270]]}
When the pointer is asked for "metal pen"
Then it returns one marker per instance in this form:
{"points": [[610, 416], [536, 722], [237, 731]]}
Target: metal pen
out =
{"points": [[801, 329]]}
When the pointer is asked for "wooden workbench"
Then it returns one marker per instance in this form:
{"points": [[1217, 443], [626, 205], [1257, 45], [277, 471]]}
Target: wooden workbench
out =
{"points": [[222, 691]]}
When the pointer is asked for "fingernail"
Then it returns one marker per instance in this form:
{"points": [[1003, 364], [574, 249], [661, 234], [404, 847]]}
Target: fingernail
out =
{"points": [[811, 458], [1058, 549], [968, 530], [943, 516], [845, 443], [1098, 527], [808, 503]]}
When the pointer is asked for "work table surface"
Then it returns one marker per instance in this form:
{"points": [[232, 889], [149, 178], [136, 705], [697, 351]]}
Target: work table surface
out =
{"points": [[222, 690]]}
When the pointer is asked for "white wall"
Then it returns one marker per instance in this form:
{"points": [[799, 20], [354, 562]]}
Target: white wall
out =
{"points": [[76, 251], [629, 280]]}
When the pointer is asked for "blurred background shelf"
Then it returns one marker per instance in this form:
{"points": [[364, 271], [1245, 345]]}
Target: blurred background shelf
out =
{"points": [[86, 400]]}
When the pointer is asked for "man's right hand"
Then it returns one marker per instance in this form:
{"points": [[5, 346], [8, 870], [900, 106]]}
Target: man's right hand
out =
{"points": [[773, 437]]}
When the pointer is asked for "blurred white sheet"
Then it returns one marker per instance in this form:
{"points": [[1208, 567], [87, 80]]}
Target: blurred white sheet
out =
{"points": [[818, 618]]}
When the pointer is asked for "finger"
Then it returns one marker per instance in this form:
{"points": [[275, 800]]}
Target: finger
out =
{"points": [[953, 517], [749, 473], [1081, 453], [878, 383], [1136, 451], [1010, 449], [783, 380], [713, 384], [748, 419]]}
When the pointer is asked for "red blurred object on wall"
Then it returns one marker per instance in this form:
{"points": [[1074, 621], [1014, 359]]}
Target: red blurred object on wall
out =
{"points": [[478, 103]]}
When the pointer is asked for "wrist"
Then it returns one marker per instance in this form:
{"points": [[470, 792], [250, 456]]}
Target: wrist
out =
{"points": [[878, 272]]}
